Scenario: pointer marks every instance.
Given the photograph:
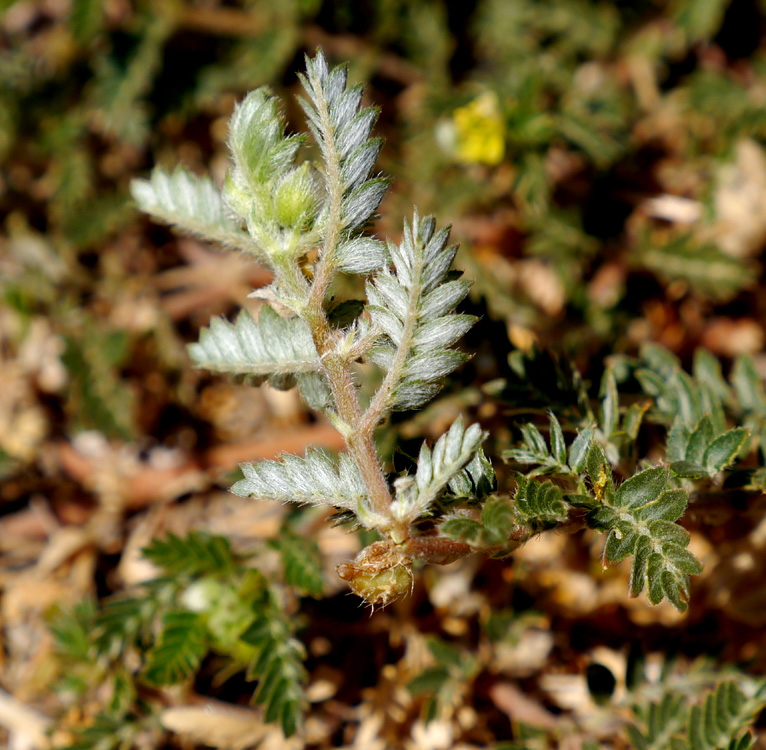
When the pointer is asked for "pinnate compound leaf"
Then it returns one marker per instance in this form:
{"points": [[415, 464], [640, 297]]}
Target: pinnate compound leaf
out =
{"points": [[436, 468], [342, 131], [182, 644], [196, 554], [192, 204], [721, 721], [317, 479], [270, 345], [412, 305], [539, 504], [257, 143], [301, 563], [467, 530], [638, 519], [498, 518], [278, 667]]}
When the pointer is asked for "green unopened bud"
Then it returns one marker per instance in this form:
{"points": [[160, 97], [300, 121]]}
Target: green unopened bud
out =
{"points": [[295, 198], [238, 199]]}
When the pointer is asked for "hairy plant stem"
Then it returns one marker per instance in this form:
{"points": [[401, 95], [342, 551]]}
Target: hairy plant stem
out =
{"points": [[359, 438]]}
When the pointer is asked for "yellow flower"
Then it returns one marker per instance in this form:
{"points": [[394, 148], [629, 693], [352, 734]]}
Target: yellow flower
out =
{"points": [[480, 131]]}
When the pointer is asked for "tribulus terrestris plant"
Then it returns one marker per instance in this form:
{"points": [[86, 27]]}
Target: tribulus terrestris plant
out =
{"points": [[305, 221]]}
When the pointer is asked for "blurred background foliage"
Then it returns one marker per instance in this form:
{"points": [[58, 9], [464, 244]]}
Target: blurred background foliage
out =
{"points": [[602, 163]]}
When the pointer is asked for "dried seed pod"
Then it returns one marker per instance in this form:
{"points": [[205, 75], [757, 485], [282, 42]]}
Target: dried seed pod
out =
{"points": [[379, 574]]}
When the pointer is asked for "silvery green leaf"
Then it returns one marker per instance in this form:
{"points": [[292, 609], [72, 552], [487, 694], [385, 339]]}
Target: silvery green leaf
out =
{"points": [[444, 298], [315, 390], [451, 453], [362, 203], [388, 323], [442, 332], [427, 325], [257, 143], [317, 69], [436, 269], [192, 204], [412, 395], [386, 292], [361, 255], [269, 345], [433, 365], [334, 86], [355, 132], [343, 110], [382, 354], [402, 257], [317, 479], [358, 165]]}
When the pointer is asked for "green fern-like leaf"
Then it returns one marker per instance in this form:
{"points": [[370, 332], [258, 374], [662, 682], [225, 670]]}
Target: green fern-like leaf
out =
{"points": [[719, 722], [196, 554], [278, 667], [725, 713], [123, 622], [539, 504], [72, 629], [182, 643], [639, 519], [301, 563], [553, 458], [499, 520]]}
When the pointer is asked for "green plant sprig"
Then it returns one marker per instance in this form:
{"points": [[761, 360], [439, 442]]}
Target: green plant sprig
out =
{"points": [[304, 220]]}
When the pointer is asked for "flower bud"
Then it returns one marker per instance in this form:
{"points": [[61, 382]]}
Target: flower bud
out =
{"points": [[295, 199]]}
